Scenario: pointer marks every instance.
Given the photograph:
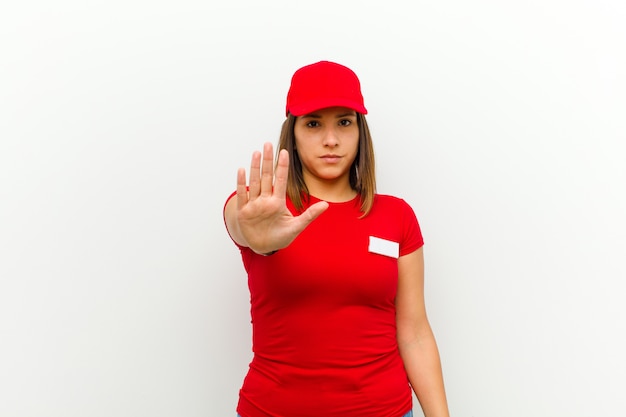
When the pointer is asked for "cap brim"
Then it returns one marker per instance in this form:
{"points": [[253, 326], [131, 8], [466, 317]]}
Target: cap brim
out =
{"points": [[311, 106]]}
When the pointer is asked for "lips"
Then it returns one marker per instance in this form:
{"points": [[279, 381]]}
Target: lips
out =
{"points": [[331, 158]]}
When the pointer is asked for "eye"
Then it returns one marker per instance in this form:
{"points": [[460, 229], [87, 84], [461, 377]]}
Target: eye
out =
{"points": [[313, 123], [345, 122]]}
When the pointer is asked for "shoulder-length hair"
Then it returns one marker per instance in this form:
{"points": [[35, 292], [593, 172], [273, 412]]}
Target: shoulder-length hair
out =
{"points": [[362, 171]]}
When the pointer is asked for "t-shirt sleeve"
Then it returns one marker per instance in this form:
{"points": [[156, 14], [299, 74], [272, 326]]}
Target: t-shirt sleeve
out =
{"points": [[246, 253], [232, 195], [412, 238]]}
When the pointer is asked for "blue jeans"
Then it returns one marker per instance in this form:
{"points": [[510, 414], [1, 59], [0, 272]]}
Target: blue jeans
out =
{"points": [[409, 414]]}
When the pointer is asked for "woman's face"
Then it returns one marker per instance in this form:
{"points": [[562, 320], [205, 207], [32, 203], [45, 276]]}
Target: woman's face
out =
{"points": [[327, 142]]}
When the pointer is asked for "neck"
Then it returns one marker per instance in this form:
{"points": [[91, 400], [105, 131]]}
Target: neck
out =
{"points": [[331, 191]]}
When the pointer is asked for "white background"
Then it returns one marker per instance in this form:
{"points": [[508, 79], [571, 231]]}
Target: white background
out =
{"points": [[122, 125]]}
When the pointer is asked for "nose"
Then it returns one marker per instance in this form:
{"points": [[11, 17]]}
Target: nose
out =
{"points": [[330, 138]]}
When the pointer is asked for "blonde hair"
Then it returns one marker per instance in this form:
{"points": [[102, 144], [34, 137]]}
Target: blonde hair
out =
{"points": [[362, 171]]}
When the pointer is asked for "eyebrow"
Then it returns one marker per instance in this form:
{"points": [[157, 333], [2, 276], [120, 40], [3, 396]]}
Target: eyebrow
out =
{"points": [[339, 116]]}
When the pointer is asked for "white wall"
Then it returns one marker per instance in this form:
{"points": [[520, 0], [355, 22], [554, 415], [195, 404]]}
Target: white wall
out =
{"points": [[122, 125]]}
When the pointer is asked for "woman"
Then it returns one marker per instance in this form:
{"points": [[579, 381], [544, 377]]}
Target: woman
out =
{"points": [[335, 270]]}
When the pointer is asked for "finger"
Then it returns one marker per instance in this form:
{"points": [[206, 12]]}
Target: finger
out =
{"points": [[281, 174], [267, 170], [242, 191], [255, 179]]}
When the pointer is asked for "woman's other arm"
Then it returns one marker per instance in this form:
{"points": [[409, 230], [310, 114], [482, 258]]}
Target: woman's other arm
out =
{"points": [[416, 341]]}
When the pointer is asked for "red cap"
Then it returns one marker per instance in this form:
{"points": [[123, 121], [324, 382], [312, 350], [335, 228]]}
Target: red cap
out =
{"points": [[321, 85]]}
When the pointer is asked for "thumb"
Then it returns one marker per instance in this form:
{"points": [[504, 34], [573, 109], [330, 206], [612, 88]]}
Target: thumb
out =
{"points": [[311, 214], [316, 209]]}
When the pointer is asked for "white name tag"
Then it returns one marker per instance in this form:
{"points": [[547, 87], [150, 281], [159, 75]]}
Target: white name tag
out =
{"points": [[384, 247]]}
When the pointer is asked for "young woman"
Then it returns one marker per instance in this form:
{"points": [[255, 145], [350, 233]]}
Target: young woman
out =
{"points": [[335, 271]]}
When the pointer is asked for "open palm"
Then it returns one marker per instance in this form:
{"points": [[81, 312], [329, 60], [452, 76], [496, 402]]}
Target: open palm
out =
{"points": [[264, 221]]}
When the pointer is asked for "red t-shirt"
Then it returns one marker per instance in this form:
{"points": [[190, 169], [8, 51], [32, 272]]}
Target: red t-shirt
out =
{"points": [[323, 317]]}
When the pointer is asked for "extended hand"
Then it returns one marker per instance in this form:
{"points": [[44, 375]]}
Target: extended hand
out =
{"points": [[264, 221]]}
